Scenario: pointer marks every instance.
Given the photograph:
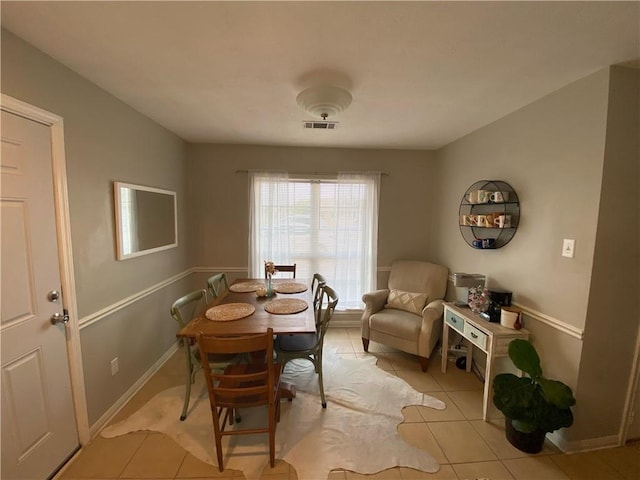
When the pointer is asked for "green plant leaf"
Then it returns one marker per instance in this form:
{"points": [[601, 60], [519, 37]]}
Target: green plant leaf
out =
{"points": [[524, 356], [534, 402], [552, 418], [557, 393], [514, 396]]}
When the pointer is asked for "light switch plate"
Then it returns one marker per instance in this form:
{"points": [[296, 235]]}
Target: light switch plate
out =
{"points": [[568, 247], [114, 366]]}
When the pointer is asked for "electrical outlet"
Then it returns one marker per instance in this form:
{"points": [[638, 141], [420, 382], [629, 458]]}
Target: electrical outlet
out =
{"points": [[114, 366], [568, 248]]}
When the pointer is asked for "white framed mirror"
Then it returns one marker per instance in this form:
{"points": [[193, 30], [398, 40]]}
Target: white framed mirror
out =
{"points": [[146, 219]]}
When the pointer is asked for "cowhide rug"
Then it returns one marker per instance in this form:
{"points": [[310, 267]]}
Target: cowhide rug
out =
{"points": [[357, 431]]}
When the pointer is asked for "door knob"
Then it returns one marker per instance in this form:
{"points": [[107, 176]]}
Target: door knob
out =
{"points": [[59, 318], [53, 295]]}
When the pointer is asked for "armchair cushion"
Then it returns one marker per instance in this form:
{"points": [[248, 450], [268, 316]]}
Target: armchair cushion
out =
{"points": [[395, 323], [407, 301]]}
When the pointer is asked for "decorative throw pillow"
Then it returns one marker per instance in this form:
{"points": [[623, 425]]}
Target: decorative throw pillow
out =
{"points": [[407, 301]]}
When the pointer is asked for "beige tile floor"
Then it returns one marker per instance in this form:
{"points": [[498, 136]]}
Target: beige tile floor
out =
{"points": [[465, 446]]}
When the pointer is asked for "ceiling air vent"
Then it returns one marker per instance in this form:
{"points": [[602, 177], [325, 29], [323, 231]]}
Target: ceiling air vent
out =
{"points": [[322, 124]]}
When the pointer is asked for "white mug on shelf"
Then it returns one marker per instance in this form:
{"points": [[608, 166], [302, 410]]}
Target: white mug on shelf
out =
{"points": [[485, 220], [483, 196], [466, 220], [499, 197], [502, 221]]}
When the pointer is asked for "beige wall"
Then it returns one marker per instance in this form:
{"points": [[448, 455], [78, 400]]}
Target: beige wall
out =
{"points": [[105, 141], [219, 196], [551, 152], [554, 152], [613, 314]]}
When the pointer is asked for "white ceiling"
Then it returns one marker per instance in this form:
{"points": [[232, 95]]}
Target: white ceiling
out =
{"points": [[422, 74]]}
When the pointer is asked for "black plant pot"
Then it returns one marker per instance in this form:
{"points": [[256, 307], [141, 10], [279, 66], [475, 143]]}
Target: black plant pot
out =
{"points": [[526, 442]]}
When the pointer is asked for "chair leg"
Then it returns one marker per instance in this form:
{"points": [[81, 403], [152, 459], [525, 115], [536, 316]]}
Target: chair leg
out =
{"points": [[187, 392], [234, 416], [424, 363], [278, 409], [272, 435], [282, 360], [218, 438], [320, 380], [365, 344]]}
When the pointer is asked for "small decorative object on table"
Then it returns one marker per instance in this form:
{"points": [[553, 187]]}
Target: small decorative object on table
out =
{"points": [[270, 268], [479, 299], [261, 291]]}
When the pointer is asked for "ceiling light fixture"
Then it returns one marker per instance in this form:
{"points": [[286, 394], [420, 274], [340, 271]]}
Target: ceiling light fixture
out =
{"points": [[324, 102]]}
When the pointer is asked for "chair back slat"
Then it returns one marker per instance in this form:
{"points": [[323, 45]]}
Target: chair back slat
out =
{"points": [[217, 284], [237, 344], [327, 305], [283, 268], [317, 284], [189, 306]]}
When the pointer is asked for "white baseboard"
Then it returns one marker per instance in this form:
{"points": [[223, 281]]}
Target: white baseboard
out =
{"points": [[122, 401], [346, 319], [582, 445]]}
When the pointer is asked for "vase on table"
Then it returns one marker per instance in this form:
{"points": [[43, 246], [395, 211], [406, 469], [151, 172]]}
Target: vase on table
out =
{"points": [[270, 291], [269, 270]]}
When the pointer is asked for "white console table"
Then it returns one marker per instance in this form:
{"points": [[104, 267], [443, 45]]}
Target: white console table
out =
{"points": [[491, 338]]}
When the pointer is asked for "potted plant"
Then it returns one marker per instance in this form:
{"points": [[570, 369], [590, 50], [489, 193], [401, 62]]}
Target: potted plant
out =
{"points": [[532, 405]]}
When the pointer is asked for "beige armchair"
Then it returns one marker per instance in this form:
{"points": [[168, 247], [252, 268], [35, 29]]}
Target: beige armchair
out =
{"points": [[408, 314]]}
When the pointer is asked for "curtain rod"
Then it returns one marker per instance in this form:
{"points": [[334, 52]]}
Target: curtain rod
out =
{"points": [[384, 174]]}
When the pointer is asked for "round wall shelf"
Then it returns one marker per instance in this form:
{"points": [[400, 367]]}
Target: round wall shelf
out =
{"points": [[489, 214]]}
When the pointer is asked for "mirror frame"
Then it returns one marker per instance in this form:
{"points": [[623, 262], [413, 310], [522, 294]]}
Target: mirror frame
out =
{"points": [[117, 196]]}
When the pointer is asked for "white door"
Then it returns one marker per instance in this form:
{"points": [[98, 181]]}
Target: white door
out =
{"points": [[38, 421]]}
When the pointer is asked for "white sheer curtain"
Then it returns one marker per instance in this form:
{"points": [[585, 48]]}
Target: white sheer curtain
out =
{"points": [[357, 196], [323, 225], [269, 220]]}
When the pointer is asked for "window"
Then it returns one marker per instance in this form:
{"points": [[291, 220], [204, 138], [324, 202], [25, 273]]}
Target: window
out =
{"points": [[323, 225]]}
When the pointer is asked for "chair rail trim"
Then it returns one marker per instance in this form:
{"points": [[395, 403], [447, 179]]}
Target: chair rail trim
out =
{"points": [[130, 300]]}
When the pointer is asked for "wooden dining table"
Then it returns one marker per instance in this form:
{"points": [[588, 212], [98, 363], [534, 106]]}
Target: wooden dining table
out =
{"points": [[261, 319]]}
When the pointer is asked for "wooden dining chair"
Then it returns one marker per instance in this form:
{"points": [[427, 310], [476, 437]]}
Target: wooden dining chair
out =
{"points": [[183, 310], [283, 268], [217, 284], [242, 386], [309, 345]]}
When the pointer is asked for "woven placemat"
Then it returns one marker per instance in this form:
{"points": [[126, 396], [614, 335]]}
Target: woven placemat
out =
{"points": [[286, 306], [246, 287], [229, 311], [291, 287]]}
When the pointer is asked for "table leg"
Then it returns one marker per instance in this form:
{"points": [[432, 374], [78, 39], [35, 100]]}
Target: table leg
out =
{"points": [[445, 347], [488, 382], [287, 390]]}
